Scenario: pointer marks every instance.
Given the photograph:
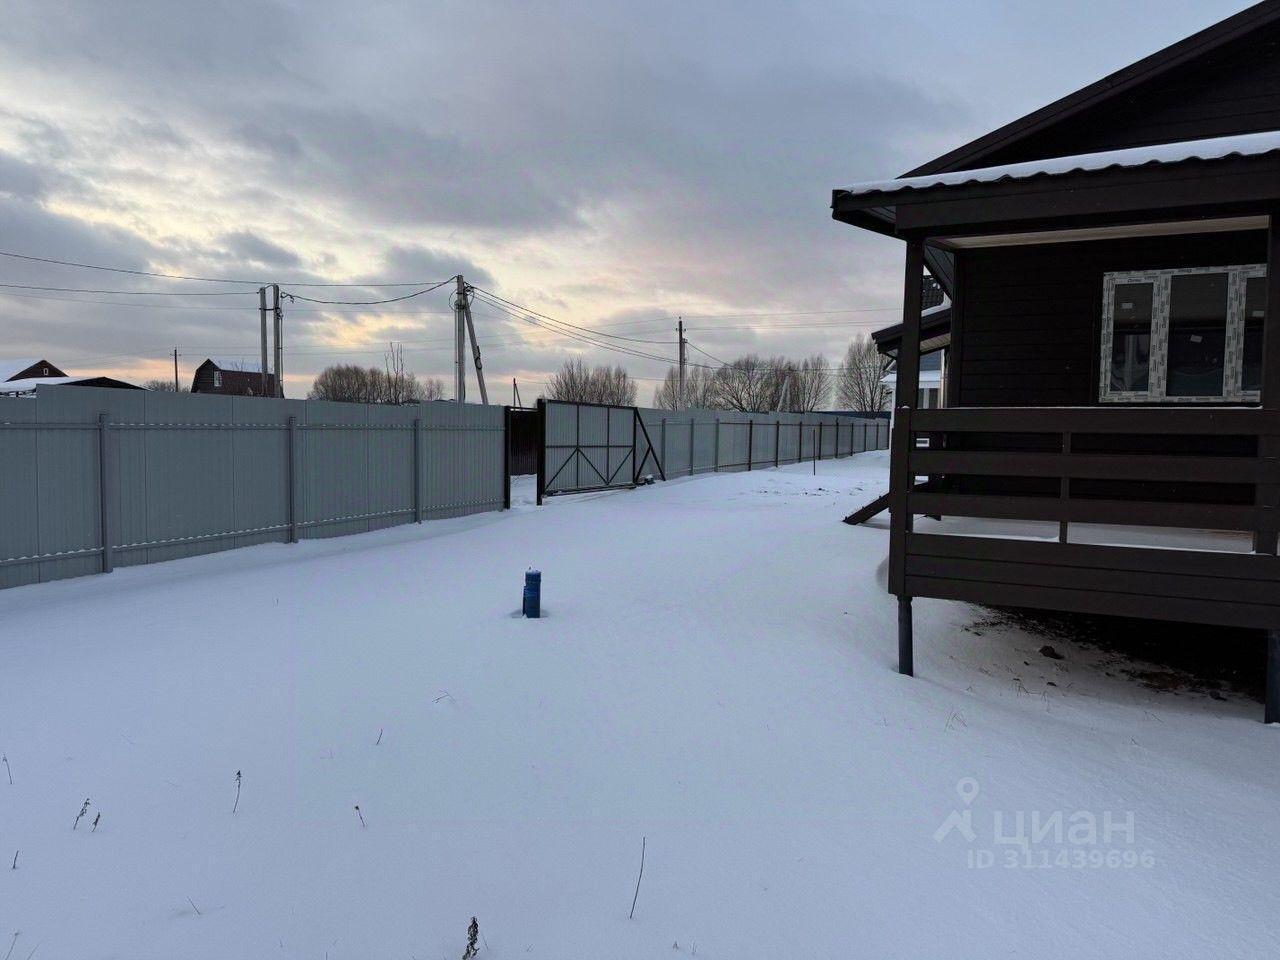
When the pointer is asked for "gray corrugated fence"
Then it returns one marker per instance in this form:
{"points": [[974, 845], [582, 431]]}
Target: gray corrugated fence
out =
{"points": [[590, 446], [701, 441], [157, 476]]}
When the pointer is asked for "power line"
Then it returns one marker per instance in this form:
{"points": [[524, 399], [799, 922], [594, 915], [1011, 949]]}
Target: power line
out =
{"points": [[369, 303], [132, 293], [565, 323], [178, 276]]}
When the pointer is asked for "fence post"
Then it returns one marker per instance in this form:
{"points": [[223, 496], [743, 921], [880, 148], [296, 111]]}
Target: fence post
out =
{"points": [[417, 470], [662, 429], [716, 468], [542, 447], [506, 458], [293, 479], [777, 440], [692, 421], [818, 454], [104, 489], [751, 441]]}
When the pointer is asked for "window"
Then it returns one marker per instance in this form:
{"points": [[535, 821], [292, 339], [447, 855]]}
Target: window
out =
{"points": [[217, 378], [1183, 335]]}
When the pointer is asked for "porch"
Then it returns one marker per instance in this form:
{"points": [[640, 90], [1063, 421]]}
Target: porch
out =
{"points": [[1076, 472]]}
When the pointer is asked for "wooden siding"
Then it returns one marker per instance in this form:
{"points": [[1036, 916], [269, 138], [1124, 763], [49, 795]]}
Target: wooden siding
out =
{"points": [[1233, 90], [1030, 317]]}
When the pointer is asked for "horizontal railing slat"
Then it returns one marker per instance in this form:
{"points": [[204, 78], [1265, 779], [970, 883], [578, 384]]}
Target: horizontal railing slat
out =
{"points": [[1102, 466], [1182, 609], [1138, 559], [1211, 516], [1135, 420]]}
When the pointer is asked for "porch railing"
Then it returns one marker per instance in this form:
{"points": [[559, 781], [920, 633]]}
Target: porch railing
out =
{"points": [[1212, 469]]}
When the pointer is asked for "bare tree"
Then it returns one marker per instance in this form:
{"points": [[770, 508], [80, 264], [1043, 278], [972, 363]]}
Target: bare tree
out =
{"points": [[344, 382], [751, 383], [858, 385], [163, 385], [699, 389], [393, 385], [614, 385], [397, 384], [809, 384], [432, 389], [578, 383]]}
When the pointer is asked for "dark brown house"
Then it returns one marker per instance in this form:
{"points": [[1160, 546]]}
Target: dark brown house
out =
{"points": [[28, 368], [233, 377], [1111, 442]]}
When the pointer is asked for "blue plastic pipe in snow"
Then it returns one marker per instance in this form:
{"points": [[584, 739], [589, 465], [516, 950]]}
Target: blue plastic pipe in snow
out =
{"points": [[532, 594]]}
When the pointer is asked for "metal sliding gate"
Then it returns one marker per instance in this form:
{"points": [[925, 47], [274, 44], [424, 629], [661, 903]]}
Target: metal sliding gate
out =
{"points": [[592, 446]]}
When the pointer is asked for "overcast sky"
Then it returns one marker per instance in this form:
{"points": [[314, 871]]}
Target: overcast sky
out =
{"points": [[610, 164]]}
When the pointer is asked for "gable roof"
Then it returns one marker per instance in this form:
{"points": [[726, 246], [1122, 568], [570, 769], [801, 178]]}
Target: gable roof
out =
{"points": [[1115, 84], [237, 364], [11, 368]]}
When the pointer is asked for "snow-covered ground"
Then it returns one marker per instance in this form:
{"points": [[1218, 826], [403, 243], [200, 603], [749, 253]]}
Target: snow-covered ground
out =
{"points": [[715, 676]]}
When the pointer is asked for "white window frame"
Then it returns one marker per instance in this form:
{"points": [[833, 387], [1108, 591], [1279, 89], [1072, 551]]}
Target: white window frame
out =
{"points": [[1158, 354], [217, 378]]}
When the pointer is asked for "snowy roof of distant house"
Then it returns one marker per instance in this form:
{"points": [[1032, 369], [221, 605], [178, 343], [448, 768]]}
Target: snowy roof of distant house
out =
{"points": [[29, 384], [11, 368], [1214, 148]]}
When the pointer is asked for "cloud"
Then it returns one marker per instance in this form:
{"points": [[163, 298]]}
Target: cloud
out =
{"points": [[626, 161], [253, 249]]}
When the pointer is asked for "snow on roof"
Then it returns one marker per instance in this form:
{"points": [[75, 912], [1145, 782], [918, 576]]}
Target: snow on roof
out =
{"points": [[11, 368], [30, 383], [1215, 148]]}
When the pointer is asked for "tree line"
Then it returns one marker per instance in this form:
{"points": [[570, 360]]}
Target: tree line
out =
{"points": [[351, 383], [750, 383]]}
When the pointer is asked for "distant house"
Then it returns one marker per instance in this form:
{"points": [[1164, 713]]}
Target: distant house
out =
{"points": [[27, 368], [233, 376], [930, 394], [21, 378]]}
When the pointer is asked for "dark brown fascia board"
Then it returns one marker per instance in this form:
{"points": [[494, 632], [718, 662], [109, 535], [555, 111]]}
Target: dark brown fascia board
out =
{"points": [[1115, 84]]}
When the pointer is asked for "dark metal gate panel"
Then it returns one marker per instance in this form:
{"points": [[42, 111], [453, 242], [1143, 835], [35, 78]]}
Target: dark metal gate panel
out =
{"points": [[593, 446]]}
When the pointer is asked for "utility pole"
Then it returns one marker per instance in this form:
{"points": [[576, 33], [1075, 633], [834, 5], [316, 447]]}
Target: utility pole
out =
{"points": [[279, 338], [475, 346], [680, 394], [175, 369], [262, 314], [459, 336]]}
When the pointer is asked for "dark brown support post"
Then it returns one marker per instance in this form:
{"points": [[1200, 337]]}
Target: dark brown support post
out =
{"points": [[1064, 490], [1268, 490], [818, 453], [777, 441], [906, 396], [542, 448], [751, 440], [906, 657], [506, 457], [1271, 713]]}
